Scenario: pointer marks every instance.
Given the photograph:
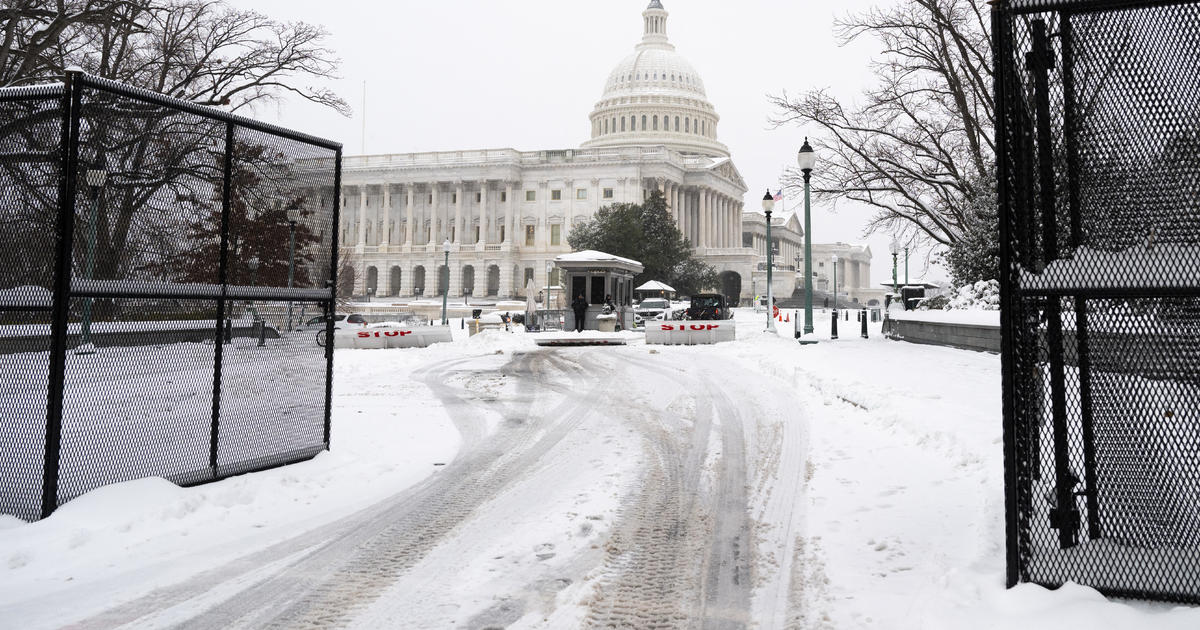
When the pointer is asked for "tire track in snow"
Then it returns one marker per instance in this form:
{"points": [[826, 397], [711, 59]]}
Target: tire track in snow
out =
{"points": [[338, 568], [680, 555]]}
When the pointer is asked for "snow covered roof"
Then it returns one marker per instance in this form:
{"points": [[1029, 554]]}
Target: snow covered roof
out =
{"points": [[655, 285], [591, 255], [593, 258]]}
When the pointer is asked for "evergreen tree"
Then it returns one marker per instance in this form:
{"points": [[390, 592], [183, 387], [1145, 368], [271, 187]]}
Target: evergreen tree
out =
{"points": [[646, 233], [976, 255]]}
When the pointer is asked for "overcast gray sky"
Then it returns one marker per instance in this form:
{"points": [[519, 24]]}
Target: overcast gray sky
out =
{"points": [[525, 74]]}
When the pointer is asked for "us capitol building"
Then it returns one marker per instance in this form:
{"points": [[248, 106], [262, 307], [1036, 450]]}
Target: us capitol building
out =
{"points": [[508, 213]]}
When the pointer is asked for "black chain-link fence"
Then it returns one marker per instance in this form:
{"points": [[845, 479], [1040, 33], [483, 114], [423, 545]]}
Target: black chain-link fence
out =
{"points": [[1098, 106], [159, 263]]}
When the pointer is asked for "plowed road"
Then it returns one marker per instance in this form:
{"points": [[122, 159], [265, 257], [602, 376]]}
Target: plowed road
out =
{"points": [[620, 488]]}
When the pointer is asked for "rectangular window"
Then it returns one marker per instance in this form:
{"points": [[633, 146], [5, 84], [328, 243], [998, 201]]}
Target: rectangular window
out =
{"points": [[529, 233], [504, 196], [598, 289], [581, 193], [430, 198], [555, 195], [478, 197], [556, 234], [454, 197], [608, 193], [528, 277], [476, 234], [530, 195], [502, 234]]}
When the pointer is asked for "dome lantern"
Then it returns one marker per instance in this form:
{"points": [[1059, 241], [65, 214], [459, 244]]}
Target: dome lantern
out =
{"points": [[654, 97]]}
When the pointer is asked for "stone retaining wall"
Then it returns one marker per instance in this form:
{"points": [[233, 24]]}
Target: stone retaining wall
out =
{"points": [[977, 337]]}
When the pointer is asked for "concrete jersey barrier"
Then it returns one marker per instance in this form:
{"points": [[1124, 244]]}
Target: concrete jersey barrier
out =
{"points": [[690, 333], [380, 337]]}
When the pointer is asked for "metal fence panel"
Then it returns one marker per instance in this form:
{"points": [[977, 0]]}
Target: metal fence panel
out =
{"points": [[138, 348], [1099, 171]]}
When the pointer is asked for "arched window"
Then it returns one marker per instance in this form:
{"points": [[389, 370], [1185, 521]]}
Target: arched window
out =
{"points": [[704, 128], [622, 123], [676, 124], [656, 123], [605, 126], [643, 122], [614, 124], [687, 125]]}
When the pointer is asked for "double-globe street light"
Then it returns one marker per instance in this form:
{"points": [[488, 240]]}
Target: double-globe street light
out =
{"points": [[96, 177], [807, 159], [768, 205], [446, 290]]}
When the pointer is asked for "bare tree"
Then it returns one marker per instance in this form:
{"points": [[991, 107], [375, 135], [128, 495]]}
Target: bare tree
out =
{"points": [[918, 144]]}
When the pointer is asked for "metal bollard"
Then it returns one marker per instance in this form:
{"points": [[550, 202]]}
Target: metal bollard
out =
{"points": [[463, 323], [833, 332], [863, 317], [262, 333], [796, 323], [228, 330]]}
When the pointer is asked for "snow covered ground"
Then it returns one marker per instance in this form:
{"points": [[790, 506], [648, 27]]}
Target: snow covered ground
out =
{"points": [[488, 483]]}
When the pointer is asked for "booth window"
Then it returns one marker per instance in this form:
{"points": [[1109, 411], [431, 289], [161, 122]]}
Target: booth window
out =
{"points": [[597, 296]]}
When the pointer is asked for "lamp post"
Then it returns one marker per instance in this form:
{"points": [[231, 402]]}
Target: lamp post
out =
{"points": [[895, 249], [370, 293], [293, 217], [807, 159], [768, 205], [833, 331], [95, 180], [446, 293], [906, 264], [252, 265]]}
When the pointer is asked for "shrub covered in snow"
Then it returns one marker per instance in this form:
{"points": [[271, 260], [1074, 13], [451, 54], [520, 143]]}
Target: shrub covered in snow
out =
{"points": [[936, 303], [983, 295]]}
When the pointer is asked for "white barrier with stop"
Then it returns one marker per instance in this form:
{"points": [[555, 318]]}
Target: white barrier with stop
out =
{"points": [[381, 337], [690, 333]]}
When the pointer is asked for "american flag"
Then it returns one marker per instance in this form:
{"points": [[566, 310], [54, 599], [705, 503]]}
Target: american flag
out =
{"points": [[779, 195]]}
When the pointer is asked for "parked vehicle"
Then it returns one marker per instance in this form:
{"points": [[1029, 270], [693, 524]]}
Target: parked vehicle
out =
{"points": [[651, 308], [353, 319], [709, 306]]}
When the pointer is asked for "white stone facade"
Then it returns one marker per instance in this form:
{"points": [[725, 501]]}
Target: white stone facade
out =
{"points": [[507, 213]]}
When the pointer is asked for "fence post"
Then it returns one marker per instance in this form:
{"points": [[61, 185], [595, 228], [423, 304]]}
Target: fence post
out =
{"points": [[1082, 343], [61, 306], [833, 329], [863, 317], [223, 279], [1065, 515], [333, 291]]}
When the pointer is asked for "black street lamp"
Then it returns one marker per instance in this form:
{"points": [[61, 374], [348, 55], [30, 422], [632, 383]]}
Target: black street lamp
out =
{"points": [[895, 249], [807, 159], [95, 181], [293, 217], [833, 329], [446, 292], [768, 205], [252, 265]]}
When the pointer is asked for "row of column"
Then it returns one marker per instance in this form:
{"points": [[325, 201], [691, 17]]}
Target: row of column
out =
{"points": [[708, 218], [427, 274], [445, 220]]}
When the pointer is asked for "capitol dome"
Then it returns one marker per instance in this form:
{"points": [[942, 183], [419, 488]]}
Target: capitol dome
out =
{"points": [[655, 97]]}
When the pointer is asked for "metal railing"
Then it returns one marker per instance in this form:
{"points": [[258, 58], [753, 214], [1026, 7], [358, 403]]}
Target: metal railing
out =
{"points": [[1099, 175], [144, 236]]}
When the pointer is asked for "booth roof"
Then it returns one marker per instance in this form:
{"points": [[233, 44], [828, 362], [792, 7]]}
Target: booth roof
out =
{"points": [[654, 285], [593, 256]]}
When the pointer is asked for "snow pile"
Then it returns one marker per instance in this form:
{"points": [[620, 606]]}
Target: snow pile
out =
{"points": [[983, 295]]}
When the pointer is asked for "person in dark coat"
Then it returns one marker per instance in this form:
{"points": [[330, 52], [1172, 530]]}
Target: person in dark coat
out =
{"points": [[579, 305]]}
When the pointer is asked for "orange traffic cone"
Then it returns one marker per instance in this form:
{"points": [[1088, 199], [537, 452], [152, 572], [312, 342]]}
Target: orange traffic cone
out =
{"points": [[789, 319]]}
